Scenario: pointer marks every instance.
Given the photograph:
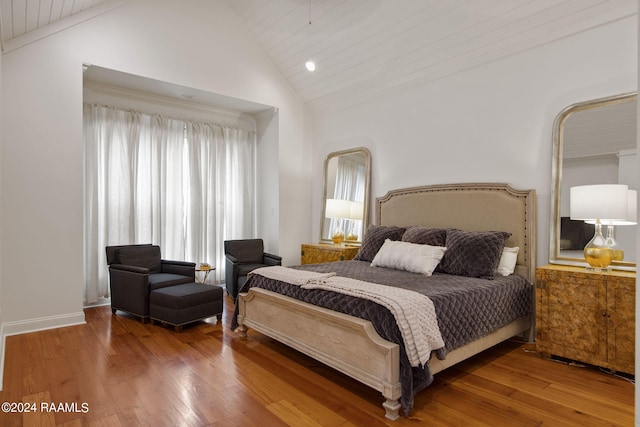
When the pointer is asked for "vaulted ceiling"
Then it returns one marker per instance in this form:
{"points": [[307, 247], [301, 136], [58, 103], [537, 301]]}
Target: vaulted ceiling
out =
{"points": [[363, 48], [24, 20], [366, 48]]}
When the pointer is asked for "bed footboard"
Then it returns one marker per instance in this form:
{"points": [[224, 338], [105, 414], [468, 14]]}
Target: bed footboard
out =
{"points": [[345, 343]]}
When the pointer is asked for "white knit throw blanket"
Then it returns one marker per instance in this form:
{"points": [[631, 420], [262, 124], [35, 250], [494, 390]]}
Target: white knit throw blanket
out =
{"points": [[414, 312]]}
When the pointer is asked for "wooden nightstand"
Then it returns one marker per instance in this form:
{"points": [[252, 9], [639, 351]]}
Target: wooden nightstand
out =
{"points": [[586, 316], [320, 253]]}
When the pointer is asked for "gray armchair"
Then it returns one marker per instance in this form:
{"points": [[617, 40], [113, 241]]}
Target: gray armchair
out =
{"points": [[243, 256], [136, 270]]}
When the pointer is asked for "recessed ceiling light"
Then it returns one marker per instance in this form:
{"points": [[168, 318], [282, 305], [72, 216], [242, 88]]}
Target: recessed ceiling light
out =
{"points": [[311, 66]]}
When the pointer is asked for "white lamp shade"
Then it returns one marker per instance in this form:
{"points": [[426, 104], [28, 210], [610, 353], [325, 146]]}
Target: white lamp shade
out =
{"points": [[632, 208], [356, 211], [337, 208], [632, 217], [602, 201]]}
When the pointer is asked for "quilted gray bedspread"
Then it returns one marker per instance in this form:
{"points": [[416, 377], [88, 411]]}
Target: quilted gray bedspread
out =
{"points": [[467, 308]]}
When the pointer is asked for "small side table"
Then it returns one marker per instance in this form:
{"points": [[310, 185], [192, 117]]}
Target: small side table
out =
{"points": [[206, 269]]}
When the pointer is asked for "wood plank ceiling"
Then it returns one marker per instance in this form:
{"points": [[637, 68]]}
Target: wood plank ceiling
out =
{"points": [[368, 48], [23, 20]]}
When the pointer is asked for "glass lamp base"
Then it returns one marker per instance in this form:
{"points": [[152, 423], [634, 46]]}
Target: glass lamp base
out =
{"points": [[618, 255], [597, 254], [598, 257], [610, 241], [337, 237]]}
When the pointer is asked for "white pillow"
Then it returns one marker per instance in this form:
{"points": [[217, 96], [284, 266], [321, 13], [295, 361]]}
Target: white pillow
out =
{"points": [[408, 256], [508, 261]]}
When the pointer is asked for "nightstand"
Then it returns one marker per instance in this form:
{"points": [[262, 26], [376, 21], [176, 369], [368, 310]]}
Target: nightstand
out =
{"points": [[586, 316], [321, 253]]}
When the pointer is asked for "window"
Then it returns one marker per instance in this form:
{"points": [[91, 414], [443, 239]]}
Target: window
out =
{"points": [[185, 186]]}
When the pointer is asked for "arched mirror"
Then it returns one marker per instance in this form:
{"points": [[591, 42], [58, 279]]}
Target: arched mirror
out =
{"points": [[345, 197], [594, 142]]}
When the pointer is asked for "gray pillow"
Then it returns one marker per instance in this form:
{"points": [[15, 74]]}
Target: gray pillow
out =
{"points": [[473, 253], [425, 235], [141, 256], [374, 238]]}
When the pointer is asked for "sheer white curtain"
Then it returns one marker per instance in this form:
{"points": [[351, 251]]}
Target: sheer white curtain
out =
{"points": [[350, 177], [185, 186]]}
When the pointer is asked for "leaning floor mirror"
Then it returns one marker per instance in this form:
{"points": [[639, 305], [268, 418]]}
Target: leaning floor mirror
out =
{"points": [[345, 196], [594, 142]]}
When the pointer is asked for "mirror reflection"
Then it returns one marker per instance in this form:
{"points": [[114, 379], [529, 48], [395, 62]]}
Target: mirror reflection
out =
{"points": [[346, 196], [594, 143]]}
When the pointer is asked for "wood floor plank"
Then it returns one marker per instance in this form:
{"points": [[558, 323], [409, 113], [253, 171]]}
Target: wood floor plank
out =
{"points": [[134, 374], [38, 415], [576, 401], [108, 421], [291, 415], [540, 411], [581, 377], [442, 415], [78, 423]]}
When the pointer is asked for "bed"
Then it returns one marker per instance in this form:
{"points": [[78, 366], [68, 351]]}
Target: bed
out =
{"points": [[352, 344]]}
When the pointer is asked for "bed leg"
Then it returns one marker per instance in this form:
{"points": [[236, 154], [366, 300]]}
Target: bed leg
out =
{"points": [[529, 335], [242, 330], [392, 409]]}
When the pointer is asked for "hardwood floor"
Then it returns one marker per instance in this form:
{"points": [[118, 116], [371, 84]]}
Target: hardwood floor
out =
{"points": [[116, 371]]}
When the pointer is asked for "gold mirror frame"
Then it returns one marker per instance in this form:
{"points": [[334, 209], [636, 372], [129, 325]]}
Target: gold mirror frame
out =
{"points": [[364, 156], [555, 256]]}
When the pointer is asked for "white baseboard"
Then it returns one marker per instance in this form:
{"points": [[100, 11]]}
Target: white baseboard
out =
{"points": [[34, 325], [42, 323], [100, 303]]}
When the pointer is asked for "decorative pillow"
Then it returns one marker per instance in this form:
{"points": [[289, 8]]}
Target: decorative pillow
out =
{"points": [[408, 257], [473, 253], [141, 256], [507, 264], [374, 239], [425, 235]]}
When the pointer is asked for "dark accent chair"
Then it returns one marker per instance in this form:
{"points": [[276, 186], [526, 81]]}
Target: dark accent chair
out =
{"points": [[243, 256], [136, 270]]}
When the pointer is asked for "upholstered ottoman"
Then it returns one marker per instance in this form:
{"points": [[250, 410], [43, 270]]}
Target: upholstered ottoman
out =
{"points": [[181, 304]]}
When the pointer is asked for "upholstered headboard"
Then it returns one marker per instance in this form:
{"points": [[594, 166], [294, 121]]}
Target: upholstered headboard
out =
{"points": [[472, 207]]}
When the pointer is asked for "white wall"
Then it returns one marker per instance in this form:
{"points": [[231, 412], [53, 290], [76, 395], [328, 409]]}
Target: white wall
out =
{"points": [[192, 43], [488, 124], [268, 192]]}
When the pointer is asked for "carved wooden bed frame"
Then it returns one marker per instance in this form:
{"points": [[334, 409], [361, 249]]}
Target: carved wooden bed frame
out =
{"points": [[350, 344]]}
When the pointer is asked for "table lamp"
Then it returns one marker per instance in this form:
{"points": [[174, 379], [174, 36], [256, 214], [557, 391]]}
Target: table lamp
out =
{"points": [[599, 203], [337, 209], [356, 210]]}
